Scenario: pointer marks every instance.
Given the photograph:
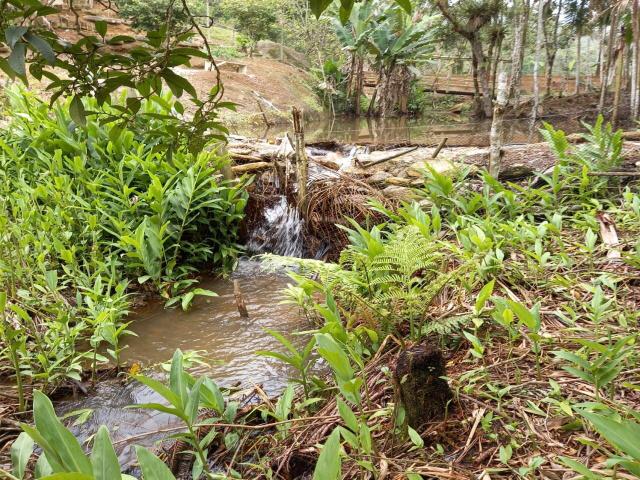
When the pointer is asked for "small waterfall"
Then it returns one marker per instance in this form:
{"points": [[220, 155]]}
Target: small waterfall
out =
{"points": [[279, 232]]}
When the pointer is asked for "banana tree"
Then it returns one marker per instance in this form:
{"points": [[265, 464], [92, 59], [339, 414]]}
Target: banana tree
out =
{"points": [[353, 36], [399, 44]]}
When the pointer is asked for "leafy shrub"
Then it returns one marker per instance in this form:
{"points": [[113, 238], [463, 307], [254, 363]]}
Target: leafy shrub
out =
{"points": [[85, 210]]}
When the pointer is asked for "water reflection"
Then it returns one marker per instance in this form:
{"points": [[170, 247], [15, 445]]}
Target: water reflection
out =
{"points": [[419, 130]]}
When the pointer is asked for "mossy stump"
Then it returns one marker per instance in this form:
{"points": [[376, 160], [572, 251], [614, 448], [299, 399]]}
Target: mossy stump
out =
{"points": [[421, 391]]}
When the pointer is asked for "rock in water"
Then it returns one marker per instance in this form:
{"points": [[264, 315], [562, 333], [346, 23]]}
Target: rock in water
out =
{"points": [[422, 392]]}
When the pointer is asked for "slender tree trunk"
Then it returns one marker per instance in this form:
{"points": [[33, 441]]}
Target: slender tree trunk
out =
{"points": [[618, 82], [483, 77], [496, 61], [497, 130], [359, 85], [477, 100], [578, 59], [552, 48], [635, 68], [536, 62], [517, 54], [610, 51]]}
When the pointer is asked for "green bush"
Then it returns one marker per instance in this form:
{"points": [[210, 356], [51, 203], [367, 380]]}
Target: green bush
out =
{"points": [[89, 212]]}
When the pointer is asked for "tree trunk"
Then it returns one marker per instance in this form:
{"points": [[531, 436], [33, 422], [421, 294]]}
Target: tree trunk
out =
{"points": [[477, 100], [419, 385], [483, 77], [610, 50], [302, 162], [496, 137], [536, 62], [552, 49], [618, 82], [578, 59], [635, 67], [394, 89], [517, 54], [495, 64], [359, 85]]}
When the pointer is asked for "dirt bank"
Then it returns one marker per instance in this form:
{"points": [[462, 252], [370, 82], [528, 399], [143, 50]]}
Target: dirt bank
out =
{"points": [[260, 85]]}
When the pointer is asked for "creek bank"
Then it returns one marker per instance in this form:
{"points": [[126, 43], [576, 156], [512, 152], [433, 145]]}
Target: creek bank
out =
{"points": [[392, 171]]}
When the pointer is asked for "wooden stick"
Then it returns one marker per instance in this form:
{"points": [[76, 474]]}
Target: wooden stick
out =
{"points": [[440, 147], [240, 303], [385, 159], [302, 162], [614, 174]]}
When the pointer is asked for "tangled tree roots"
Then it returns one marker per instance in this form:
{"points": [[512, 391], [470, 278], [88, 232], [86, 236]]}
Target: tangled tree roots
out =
{"points": [[330, 203]]}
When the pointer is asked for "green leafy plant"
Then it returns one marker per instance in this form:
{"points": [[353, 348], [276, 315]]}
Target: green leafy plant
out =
{"points": [[63, 457]]}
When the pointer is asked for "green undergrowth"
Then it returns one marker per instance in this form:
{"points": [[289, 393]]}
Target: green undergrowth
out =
{"points": [[533, 303], [91, 215]]}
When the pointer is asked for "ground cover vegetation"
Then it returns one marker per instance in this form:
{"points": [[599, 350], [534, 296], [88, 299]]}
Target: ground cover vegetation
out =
{"points": [[522, 287], [91, 216], [535, 312]]}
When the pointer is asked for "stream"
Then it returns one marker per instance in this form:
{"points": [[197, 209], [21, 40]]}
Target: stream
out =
{"points": [[422, 130], [213, 327]]}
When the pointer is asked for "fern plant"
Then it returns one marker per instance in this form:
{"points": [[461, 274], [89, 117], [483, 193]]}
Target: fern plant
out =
{"points": [[388, 279]]}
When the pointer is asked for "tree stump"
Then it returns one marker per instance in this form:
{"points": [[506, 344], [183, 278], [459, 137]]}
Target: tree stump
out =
{"points": [[421, 391]]}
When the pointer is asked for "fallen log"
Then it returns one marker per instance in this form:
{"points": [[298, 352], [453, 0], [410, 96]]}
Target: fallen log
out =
{"points": [[631, 135], [385, 159], [250, 167], [245, 158]]}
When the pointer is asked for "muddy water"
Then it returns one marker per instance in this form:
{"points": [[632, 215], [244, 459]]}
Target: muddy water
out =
{"points": [[213, 327], [412, 130]]}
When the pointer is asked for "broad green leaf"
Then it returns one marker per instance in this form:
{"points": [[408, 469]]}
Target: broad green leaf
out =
{"points": [[16, 59], [13, 33], [152, 467], [405, 5], [42, 46], [177, 378], [3, 301], [347, 415], [334, 354], [415, 437], [526, 316], [211, 396], [319, 6], [484, 295], [193, 401], [160, 389], [579, 468], [77, 111], [64, 445], [103, 457], [42, 466], [101, 28], [68, 476], [329, 462], [21, 451], [624, 435]]}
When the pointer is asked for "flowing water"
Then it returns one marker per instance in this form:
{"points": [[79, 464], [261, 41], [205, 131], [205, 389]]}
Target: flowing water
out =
{"points": [[213, 327], [279, 232]]}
